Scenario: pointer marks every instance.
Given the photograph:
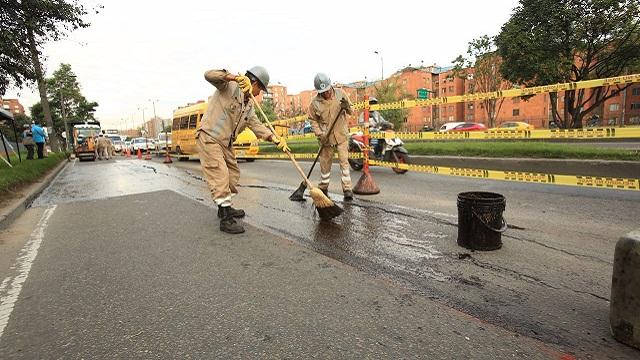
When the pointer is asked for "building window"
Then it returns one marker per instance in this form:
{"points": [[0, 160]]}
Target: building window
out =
{"points": [[614, 107], [470, 117], [450, 108], [634, 120], [635, 106], [615, 93], [450, 118], [470, 106], [516, 100], [635, 91], [451, 89], [516, 112]]}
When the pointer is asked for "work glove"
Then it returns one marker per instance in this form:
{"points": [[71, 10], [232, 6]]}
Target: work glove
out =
{"points": [[344, 104], [244, 83], [281, 144]]}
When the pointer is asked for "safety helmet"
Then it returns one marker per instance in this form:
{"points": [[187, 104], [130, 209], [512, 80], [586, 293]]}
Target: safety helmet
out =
{"points": [[372, 100], [259, 73], [322, 83]]}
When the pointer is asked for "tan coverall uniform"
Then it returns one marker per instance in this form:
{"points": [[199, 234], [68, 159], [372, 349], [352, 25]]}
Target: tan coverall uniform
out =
{"points": [[226, 116], [103, 147], [322, 113]]}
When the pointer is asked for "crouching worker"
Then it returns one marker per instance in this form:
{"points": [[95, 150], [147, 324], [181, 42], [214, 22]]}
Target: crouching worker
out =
{"points": [[230, 111]]}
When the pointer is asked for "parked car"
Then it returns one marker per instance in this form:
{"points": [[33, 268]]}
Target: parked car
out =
{"points": [[118, 145], [142, 144], [515, 125], [162, 142], [470, 127], [449, 126]]}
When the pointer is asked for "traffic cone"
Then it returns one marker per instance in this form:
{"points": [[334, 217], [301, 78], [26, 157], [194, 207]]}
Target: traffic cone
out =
{"points": [[148, 155], [128, 153], [167, 158], [139, 154]]}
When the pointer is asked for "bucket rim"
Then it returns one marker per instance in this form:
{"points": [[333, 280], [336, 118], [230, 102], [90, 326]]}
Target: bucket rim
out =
{"points": [[480, 196]]}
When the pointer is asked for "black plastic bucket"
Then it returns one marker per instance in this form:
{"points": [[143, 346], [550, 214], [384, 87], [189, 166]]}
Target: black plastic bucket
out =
{"points": [[480, 221]]}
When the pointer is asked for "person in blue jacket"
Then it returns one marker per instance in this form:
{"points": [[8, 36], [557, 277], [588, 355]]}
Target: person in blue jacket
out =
{"points": [[39, 137]]}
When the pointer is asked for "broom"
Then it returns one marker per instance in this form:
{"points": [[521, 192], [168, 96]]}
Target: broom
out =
{"points": [[298, 195], [325, 207]]}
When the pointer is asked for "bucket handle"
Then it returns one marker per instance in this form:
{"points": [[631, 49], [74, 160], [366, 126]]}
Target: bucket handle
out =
{"points": [[502, 229]]}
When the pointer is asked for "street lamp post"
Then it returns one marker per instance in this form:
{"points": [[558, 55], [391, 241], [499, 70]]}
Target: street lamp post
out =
{"points": [[381, 65]]}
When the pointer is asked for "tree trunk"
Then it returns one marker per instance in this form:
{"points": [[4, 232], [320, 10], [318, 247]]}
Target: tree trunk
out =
{"points": [[566, 121], [42, 89]]}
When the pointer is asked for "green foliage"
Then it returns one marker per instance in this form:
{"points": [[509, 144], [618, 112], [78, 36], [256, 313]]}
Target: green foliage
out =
{"points": [[65, 100], [24, 27], [485, 77], [552, 41], [25, 172], [390, 91], [269, 109]]}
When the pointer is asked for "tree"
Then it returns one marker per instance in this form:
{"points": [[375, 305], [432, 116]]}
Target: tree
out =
{"points": [[269, 109], [25, 27], [389, 91], [66, 100], [485, 74], [554, 41]]}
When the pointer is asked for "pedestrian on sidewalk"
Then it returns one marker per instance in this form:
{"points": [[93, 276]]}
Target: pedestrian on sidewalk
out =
{"points": [[27, 141], [39, 137], [230, 111], [323, 110]]}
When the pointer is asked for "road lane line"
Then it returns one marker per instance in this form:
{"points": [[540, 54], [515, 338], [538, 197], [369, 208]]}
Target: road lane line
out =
{"points": [[12, 285]]}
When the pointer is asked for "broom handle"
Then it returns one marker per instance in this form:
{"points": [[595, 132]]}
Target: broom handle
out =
{"points": [[293, 160], [328, 132]]}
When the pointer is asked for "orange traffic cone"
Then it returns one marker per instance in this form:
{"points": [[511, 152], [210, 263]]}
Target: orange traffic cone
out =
{"points": [[128, 153], [148, 155], [139, 154], [167, 159]]}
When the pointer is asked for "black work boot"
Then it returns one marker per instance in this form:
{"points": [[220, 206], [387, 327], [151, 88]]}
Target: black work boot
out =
{"points": [[236, 213], [348, 195], [227, 223]]}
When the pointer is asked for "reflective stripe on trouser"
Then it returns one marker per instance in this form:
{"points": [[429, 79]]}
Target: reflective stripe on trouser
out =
{"points": [[220, 169], [326, 158]]}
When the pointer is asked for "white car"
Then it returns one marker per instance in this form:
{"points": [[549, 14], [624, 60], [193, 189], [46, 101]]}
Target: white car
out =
{"points": [[162, 143], [142, 144], [449, 126]]}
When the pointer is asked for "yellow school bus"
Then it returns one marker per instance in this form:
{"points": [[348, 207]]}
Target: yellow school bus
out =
{"points": [[183, 140]]}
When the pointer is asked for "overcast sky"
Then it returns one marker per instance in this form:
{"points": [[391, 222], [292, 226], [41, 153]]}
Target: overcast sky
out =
{"points": [[136, 51]]}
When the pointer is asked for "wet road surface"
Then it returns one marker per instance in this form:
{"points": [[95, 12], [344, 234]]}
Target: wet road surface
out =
{"points": [[535, 286]]}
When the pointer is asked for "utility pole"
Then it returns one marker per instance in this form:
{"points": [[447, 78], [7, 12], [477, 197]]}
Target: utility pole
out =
{"points": [[624, 106]]}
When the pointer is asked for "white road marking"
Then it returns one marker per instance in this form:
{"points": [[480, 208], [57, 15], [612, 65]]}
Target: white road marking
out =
{"points": [[12, 285]]}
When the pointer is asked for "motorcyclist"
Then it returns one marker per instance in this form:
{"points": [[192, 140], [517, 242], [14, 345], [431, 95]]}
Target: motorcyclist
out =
{"points": [[376, 124]]}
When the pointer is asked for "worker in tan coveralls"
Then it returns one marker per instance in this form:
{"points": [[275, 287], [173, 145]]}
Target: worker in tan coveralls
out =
{"points": [[228, 113], [323, 110], [102, 146]]}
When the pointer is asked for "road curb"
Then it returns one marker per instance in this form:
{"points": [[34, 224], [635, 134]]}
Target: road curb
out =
{"points": [[16, 207]]}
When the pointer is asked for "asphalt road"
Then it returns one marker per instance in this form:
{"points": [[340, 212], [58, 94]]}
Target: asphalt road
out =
{"points": [[127, 269], [551, 280]]}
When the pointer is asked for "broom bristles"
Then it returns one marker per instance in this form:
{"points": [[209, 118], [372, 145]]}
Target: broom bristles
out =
{"points": [[325, 207], [320, 200]]}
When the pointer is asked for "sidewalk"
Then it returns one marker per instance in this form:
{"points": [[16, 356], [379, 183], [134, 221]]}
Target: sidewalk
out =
{"points": [[153, 277]]}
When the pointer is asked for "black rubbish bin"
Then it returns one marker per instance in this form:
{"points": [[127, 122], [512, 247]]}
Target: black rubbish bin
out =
{"points": [[480, 221]]}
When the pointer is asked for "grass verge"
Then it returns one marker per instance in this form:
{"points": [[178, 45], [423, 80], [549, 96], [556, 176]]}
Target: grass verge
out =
{"points": [[501, 149], [25, 172]]}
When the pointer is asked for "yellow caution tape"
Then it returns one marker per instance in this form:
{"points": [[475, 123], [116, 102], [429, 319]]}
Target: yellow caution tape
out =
{"points": [[542, 134], [517, 176]]}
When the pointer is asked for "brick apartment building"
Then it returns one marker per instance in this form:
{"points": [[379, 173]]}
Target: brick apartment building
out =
{"points": [[13, 106], [441, 82]]}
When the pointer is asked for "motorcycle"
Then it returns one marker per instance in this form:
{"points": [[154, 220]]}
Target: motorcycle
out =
{"points": [[393, 150]]}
